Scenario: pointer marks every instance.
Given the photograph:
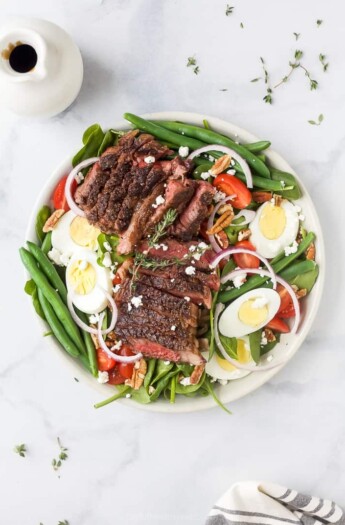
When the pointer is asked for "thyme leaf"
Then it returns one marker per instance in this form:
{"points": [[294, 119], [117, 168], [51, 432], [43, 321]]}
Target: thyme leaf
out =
{"points": [[20, 450], [57, 462], [324, 64], [229, 10], [318, 121], [191, 62]]}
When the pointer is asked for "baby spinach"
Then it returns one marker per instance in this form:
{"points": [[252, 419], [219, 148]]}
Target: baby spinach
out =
{"points": [[162, 369], [92, 140], [289, 180], [209, 388], [31, 289], [41, 218], [269, 346], [254, 343], [189, 389], [230, 346], [307, 280]]}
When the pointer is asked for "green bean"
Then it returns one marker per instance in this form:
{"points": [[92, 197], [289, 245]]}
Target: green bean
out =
{"points": [[256, 280], [173, 389], [49, 270], [41, 218], [256, 147], [299, 268], [208, 136], [53, 297], [56, 327], [115, 397], [47, 243], [90, 347]]}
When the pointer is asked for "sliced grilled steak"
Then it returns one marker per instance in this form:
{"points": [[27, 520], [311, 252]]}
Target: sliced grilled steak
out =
{"points": [[188, 224], [180, 286], [159, 351], [172, 272], [177, 250]]}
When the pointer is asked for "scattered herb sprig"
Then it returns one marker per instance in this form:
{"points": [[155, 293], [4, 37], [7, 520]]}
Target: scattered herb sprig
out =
{"points": [[268, 97], [229, 10], [192, 63], [319, 22], [317, 122], [57, 462], [162, 227], [324, 64], [20, 450], [297, 35]]}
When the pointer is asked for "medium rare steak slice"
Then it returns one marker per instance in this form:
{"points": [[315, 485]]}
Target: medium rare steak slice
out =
{"points": [[172, 272], [177, 250], [181, 286], [177, 310], [188, 224], [152, 349]]}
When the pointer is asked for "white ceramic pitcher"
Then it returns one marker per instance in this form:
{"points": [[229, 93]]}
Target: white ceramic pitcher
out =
{"points": [[41, 69]]}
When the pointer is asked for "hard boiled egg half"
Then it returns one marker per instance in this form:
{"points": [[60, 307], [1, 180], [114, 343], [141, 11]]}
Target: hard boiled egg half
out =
{"points": [[250, 312], [274, 227], [87, 282], [73, 232], [220, 369]]}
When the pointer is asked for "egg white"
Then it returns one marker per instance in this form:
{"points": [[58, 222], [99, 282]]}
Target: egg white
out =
{"points": [[95, 301], [230, 324], [269, 248]]}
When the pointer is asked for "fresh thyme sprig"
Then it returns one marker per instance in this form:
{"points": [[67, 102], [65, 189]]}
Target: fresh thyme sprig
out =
{"points": [[191, 62], [229, 9], [295, 64], [162, 227], [318, 121], [64, 522], [297, 35], [20, 450], [319, 22], [268, 97], [144, 261], [56, 463], [324, 64]]}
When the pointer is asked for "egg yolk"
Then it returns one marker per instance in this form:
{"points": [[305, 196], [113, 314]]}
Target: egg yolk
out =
{"points": [[83, 233], [243, 355], [250, 315], [82, 277], [272, 221]]}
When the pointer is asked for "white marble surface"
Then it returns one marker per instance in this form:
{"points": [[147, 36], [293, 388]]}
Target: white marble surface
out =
{"points": [[127, 466]]}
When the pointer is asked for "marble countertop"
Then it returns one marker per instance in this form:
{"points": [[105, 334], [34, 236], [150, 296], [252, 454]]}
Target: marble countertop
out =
{"points": [[127, 466]]}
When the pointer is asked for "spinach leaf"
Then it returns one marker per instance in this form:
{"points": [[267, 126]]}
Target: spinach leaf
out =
{"points": [[162, 369], [209, 388], [162, 384], [254, 343], [92, 140], [107, 141], [267, 348], [230, 346], [229, 267], [41, 218], [307, 280], [289, 180], [188, 389], [31, 289]]}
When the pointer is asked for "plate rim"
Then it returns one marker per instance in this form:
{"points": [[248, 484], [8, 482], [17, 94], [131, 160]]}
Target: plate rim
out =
{"points": [[186, 405]]}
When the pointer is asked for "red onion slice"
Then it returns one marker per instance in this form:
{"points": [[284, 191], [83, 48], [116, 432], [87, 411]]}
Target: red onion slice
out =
{"points": [[234, 362], [230, 251], [227, 151], [115, 357], [280, 281], [70, 201], [88, 328]]}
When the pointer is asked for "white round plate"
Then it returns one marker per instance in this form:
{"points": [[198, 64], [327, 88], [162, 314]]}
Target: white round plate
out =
{"points": [[291, 343]]}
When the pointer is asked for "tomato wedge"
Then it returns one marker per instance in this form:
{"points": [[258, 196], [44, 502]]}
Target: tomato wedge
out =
{"points": [[115, 377], [288, 312], [244, 260], [229, 185], [105, 363], [279, 325], [126, 369], [117, 279], [59, 198]]}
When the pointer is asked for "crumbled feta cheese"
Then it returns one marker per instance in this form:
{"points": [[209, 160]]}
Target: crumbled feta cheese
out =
{"points": [[263, 339], [117, 346], [172, 280], [116, 288], [107, 246], [79, 177], [211, 158], [219, 196], [291, 249], [149, 160], [213, 379], [103, 377], [166, 363], [183, 151], [129, 307], [137, 301], [128, 396], [159, 200], [94, 318], [192, 248], [107, 260], [272, 201], [269, 358], [187, 299], [82, 265], [222, 382], [205, 175], [65, 258], [58, 258], [259, 302], [231, 172], [151, 390], [282, 183], [232, 162], [190, 270], [203, 246], [239, 280], [164, 247], [185, 381], [301, 217], [113, 266], [173, 328]]}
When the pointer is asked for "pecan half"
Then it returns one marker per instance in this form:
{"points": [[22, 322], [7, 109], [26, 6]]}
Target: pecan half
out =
{"points": [[52, 221], [243, 235], [138, 376], [196, 374], [261, 196], [310, 252], [220, 165], [223, 221], [222, 239], [269, 335]]}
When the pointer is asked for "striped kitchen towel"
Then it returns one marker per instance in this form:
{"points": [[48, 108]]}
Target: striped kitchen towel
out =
{"points": [[256, 503]]}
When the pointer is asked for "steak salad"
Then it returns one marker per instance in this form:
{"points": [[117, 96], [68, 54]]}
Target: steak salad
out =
{"points": [[171, 260]]}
